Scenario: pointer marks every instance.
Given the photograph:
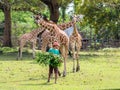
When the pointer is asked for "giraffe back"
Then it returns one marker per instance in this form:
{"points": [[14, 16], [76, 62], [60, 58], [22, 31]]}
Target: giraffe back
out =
{"points": [[30, 36]]}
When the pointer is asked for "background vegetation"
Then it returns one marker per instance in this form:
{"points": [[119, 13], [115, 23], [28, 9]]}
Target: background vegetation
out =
{"points": [[101, 21]]}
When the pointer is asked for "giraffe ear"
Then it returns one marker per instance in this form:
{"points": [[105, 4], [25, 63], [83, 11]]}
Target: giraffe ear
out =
{"points": [[38, 17], [80, 17]]}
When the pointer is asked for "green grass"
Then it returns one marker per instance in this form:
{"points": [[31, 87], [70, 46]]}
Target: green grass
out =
{"points": [[99, 70]]}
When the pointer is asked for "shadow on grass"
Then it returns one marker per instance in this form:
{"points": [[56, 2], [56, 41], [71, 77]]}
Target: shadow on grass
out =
{"points": [[111, 89], [30, 79], [12, 56], [45, 83], [84, 57]]}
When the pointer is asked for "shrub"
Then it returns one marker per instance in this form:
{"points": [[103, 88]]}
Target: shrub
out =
{"points": [[8, 49], [110, 49]]}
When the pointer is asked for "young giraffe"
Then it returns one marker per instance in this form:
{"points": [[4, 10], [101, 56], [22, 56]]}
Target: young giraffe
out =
{"points": [[75, 41], [57, 35], [28, 37], [46, 37]]}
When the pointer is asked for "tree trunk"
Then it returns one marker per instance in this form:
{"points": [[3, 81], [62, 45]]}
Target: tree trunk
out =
{"points": [[53, 6], [54, 16], [54, 11], [7, 31]]}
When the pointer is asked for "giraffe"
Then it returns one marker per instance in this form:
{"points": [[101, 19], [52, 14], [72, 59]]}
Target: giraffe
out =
{"points": [[28, 37], [76, 19], [46, 37], [75, 41], [57, 35]]}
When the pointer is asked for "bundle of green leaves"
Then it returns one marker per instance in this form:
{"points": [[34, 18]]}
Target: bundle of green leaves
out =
{"points": [[46, 58]]}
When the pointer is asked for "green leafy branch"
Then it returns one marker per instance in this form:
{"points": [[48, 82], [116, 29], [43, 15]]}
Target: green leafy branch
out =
{"points": [[45, 58]]}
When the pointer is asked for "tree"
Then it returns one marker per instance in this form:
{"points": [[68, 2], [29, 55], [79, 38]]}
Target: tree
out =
{"points": [[6, 8], [64, 8], [102, 15], [54, 6], [7, 5], [35, 6]]}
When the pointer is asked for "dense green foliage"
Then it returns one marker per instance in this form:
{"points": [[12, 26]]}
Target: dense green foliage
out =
{"points": [[101, 21], [35, 6], [22, 22], [4, 50], [48, 59], [102, 16], [1, 23]]}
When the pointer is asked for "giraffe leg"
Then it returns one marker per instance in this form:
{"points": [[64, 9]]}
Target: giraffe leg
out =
{"points": [[22, 43], [77, 56], [74, 57], [18, 57], [64, 55], [64, 72], [73, 60], [20, 53], [20, 50], [33, 48], [78, 66], [73, 65]]}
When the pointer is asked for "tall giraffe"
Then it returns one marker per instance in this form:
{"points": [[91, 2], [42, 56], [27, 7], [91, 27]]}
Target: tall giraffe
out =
{"points": [[28, 37], [46, 37], [75, 41], [57, 35]]}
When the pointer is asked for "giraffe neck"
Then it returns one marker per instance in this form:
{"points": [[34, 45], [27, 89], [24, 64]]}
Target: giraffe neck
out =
{"points": [[40, 30], [37, 31], [75, 31], [47, 25], [64, 26]]}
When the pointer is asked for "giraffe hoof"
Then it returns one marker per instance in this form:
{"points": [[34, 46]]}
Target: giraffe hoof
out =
{"points": [[64, 74], [33, 57], [17, 58], [77, 69], [59, 74], [73, 70]]}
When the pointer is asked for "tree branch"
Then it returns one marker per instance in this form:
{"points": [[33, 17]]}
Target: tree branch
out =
{"points": [[46, 1], [1, 6], [27, 9]]}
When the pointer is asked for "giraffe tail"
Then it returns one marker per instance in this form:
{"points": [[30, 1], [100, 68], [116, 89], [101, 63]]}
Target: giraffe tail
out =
{"points": [[69, 53]]}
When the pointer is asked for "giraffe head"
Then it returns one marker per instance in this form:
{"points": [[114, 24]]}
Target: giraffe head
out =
{"points": [[77, 18], [38, 18]]}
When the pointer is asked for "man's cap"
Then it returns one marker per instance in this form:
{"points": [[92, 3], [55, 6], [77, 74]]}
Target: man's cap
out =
{"points": [[56, 44]]}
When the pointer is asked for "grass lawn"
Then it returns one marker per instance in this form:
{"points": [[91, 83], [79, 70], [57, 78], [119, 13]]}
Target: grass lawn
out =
{"points": [[99, 70]]}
